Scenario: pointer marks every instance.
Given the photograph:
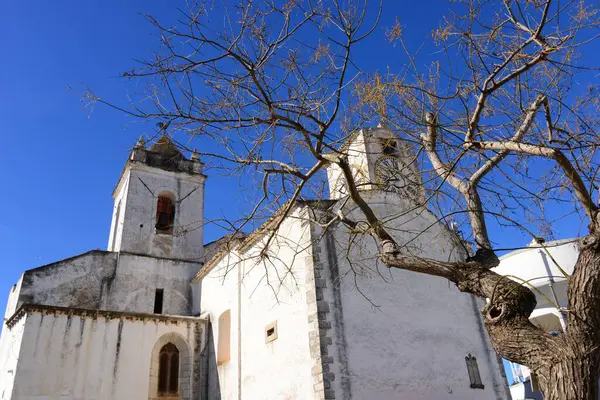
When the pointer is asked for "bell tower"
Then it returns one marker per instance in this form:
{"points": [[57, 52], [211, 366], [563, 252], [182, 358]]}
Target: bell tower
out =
{"points": [[159, 203], [380, 160]]}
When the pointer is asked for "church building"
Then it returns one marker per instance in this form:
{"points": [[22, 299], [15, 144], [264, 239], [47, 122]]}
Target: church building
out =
{"points": [[161, 315]]}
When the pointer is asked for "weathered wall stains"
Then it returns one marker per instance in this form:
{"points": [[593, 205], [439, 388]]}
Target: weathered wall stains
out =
{"points": [[118, 350], [107, 280], [109, 358], [137, 277], [73, 282], [10, 347]]}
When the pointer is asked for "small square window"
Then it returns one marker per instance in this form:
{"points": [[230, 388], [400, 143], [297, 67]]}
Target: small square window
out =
{"points": [[271, 332]]}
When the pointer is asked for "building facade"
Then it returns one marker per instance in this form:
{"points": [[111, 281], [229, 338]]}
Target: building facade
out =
{"points": [[315, 316]]}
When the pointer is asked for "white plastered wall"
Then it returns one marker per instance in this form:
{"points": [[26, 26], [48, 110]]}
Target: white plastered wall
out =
{"points": [[271, 291], [96, 358], [118, 216], [134, 284], [407, 334], [10, 345]]}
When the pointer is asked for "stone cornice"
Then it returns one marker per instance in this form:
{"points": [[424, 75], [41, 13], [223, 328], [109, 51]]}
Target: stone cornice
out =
{"points": [[95, 314]]}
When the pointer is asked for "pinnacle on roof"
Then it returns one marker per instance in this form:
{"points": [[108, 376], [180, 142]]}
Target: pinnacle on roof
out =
{"points": [[141, 143], [383, 124], [195, 155]]}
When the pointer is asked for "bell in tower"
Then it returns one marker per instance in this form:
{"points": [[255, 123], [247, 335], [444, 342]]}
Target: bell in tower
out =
{"points": [[159, 203]]}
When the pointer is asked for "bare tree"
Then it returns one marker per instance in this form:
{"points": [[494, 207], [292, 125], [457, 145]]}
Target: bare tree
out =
{"points": [[504, 116]]}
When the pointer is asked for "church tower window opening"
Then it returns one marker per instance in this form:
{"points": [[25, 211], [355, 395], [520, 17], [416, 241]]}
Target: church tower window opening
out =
{"points": [[158, 301], [389, 147], [165, 214], [168, 371]]}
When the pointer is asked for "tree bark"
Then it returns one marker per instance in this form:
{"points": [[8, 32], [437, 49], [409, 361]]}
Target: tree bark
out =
{"points": [[575, 378], [567, 366]]}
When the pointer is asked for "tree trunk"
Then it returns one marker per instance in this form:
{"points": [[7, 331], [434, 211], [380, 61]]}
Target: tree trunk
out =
{"points": [[567, 366], [573, 379]]}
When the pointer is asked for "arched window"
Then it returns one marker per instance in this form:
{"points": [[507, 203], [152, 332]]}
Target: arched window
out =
{"points": [[165, 214], [168, 371], [224, 343]]}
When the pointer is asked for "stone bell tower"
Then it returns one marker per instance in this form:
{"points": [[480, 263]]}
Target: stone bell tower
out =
{"points": [[159, 203], [380, 160]]}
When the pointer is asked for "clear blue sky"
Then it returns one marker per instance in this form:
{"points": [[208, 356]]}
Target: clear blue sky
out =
{"points": [[60, 163]]}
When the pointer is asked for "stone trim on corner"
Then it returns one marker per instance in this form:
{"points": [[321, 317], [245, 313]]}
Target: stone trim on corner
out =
{"points": [[319, 318]]}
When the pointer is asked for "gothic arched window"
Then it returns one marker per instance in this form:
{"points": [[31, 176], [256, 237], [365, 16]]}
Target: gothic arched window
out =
{"points": [[168, 371], [165, 214]]}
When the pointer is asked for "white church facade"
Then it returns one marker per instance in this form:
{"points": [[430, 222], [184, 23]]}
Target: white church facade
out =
{"points": [[159, 315]]}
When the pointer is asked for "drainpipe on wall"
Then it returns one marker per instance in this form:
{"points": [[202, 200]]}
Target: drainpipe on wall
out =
{"points": [[561, 314]]}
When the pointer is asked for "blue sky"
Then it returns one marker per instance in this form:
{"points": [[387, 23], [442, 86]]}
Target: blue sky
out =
{"points": [[60, 160]]}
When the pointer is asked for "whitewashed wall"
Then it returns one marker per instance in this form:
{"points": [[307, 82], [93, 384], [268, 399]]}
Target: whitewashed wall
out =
{"points": [[137, 277], [77, 281], [220, 293], [385, 334], [75, 357], [10, 344], [13, 299], [407, 334], [270, 291], [108, 280], [119, 207]]}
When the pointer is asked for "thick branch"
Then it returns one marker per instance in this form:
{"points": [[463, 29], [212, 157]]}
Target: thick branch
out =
{"points": [[517, 137], [444, 171], [571, 173], [468, 190], [506, 316], [378, 229]]}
